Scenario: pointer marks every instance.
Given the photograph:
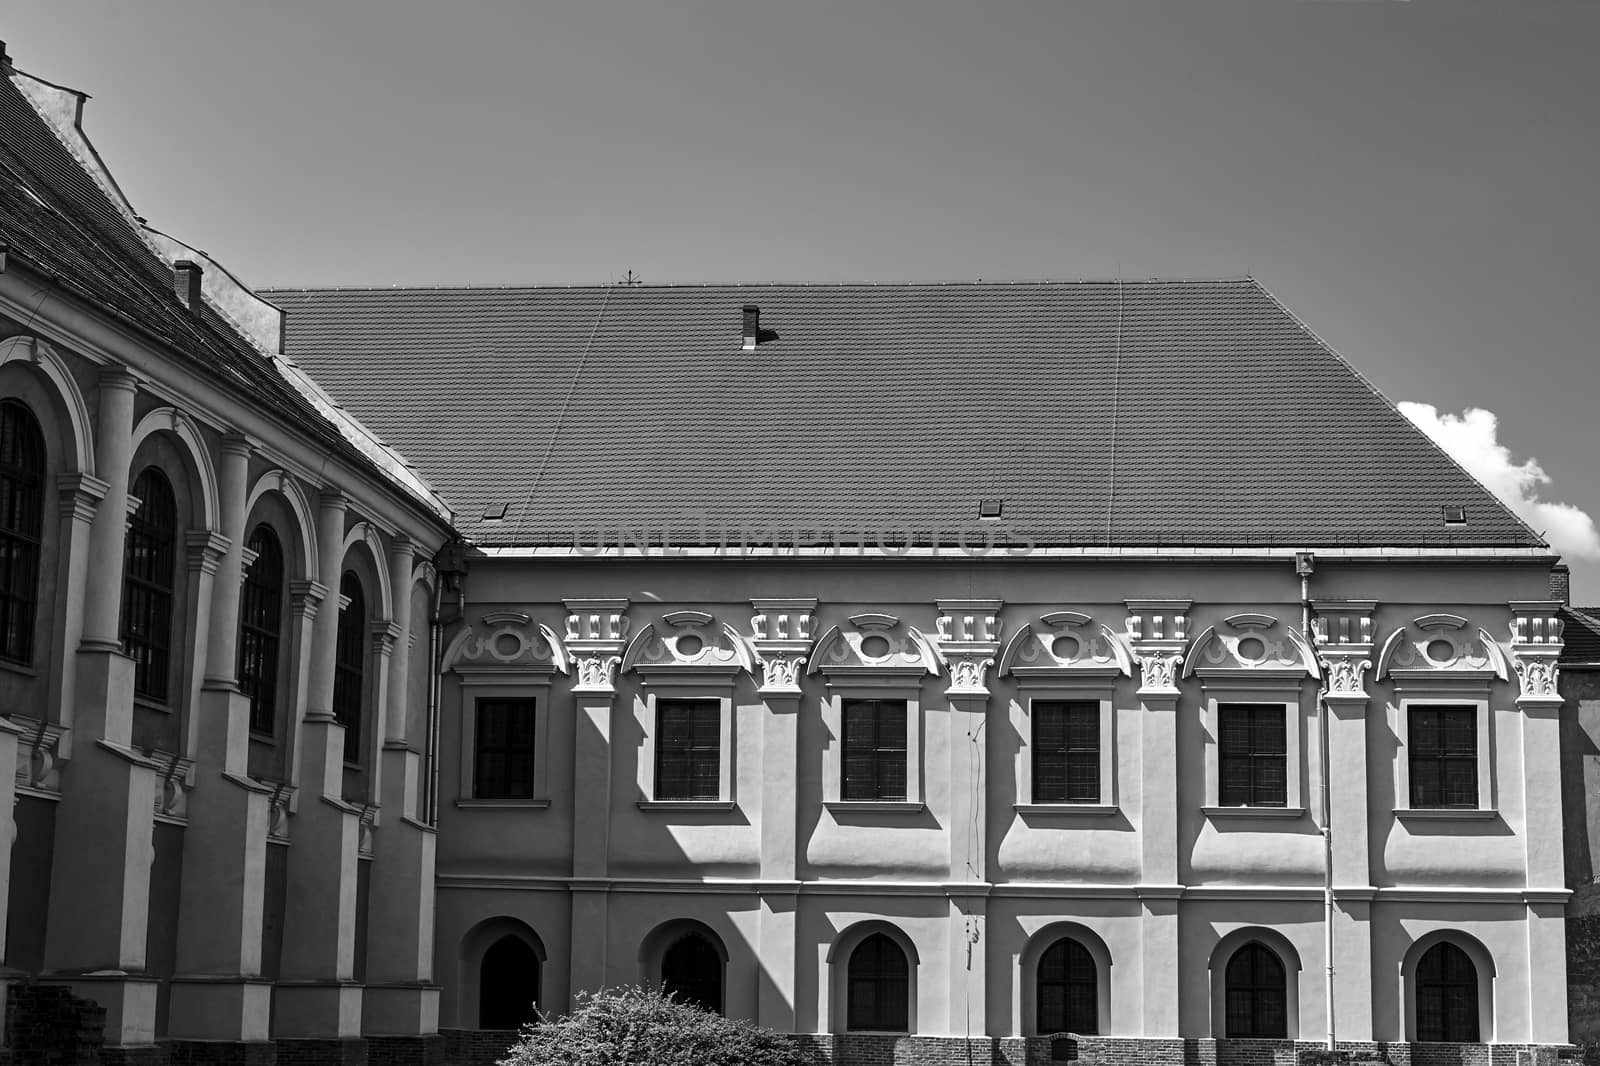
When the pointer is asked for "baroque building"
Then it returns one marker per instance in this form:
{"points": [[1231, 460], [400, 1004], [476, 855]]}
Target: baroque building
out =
{"points": [[930, 671]]}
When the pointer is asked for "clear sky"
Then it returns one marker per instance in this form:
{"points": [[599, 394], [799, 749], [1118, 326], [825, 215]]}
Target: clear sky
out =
{"points": [[1415, 179]]}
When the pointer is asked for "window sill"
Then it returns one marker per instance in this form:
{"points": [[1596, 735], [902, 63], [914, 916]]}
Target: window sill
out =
{"points": [[527, 804], [1446, 814], [883, 806], [20, 669], [685, 805], [1253, 812], [148, 704], [1096, 810]]}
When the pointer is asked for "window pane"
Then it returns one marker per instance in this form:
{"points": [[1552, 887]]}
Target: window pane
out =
{"points": [[688, 749], [505, 749]]}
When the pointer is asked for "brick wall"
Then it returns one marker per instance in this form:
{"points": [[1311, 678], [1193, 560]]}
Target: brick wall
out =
{"points": [[476, 1047], [221, 1053], [406, 1050], [46, 1025], [308, 1052]]}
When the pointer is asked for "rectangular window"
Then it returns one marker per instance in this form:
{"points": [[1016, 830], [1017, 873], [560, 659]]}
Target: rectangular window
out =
{"points": [[874, 750], [688, 749], [1066, 751], [504, 757], [1442, 743], [1252, 755]]}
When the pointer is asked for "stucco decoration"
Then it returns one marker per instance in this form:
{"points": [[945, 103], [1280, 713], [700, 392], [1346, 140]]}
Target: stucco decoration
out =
{"points": [[174, 782], [1158, 632], [969, 639], [1342, 633], [597, 630], [1250, 645], [1066, 643], [279, 806], [40, 355], [1438, 645], [781, 633], [508, 641], [688, 641], [1536, 643], [38, 756], [876, 644]]}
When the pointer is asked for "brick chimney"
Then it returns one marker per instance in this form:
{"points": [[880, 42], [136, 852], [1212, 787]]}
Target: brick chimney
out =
{"points": [[186, 276], [1561, 584], [5, 60], [752, 326]]}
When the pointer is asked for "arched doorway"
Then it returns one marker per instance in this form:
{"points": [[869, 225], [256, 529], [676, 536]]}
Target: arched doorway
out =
{"points": [[508, 985], [691, 970]]}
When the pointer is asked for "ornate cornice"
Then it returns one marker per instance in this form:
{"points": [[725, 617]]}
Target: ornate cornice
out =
{"points": [[597, 631]]}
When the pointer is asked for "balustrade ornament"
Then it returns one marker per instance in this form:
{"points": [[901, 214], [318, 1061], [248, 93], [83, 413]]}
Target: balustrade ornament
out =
{"points": [[38, 755]]}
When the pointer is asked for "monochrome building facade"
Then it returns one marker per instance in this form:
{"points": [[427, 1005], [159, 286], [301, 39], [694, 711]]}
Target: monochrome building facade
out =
{"points": [[925, 670]]}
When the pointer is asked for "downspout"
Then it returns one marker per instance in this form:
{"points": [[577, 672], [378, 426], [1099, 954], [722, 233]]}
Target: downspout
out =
{"points": [[1305, 562], [435, 648]]}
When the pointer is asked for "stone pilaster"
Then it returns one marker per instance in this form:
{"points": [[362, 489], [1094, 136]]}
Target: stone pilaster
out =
{"points": [[113, 453], [781, 632], [401, 998], [1343, 637], [596, 632], [78, 497], [1535, 646], [316, 996], [1158, 632], [10, 737]]}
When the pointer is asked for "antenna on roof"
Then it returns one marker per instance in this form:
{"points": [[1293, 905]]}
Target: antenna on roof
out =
{"points": [[632, 279]]}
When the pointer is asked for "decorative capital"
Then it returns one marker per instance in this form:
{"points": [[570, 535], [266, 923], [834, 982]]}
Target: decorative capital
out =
{"points": [[1158, 630], [1536, 643], [38, 755], [78, 496], [304, 596], [237, 444], [1342, 633], [968, 641], [781, 633], [1158, 670], [206, 550], [174, 783], [596, 632]]}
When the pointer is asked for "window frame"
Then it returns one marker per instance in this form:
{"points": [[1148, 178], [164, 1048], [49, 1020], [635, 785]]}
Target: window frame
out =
{"points": [[1070, 943], [527, 705], [892, 689], [909, 985], [1440, 946], [29, 545], [159, 641], [1283, 692], [1469, 694], [360, 668], [1257, 752], [1029, 698], [491, 684], [272, 676], [672, 687], [1281, 988]]}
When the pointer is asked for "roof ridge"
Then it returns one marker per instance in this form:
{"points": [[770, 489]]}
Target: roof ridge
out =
{"points": [[951, 283]]}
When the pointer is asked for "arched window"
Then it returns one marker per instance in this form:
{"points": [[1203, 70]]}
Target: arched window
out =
{"points": [[691, 969], [1068, 990], [349, 664], [147, 582], [1447, 995], [260, 618], [879, 987], [508, 985], [21, 528], [1256, 998]]}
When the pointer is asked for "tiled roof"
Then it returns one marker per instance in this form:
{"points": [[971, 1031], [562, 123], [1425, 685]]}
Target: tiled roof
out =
{"points": [[1137, 413], [1581, 634], [57, 220]]}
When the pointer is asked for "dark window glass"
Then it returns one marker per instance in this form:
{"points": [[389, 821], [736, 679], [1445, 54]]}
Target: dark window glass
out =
{"points": [[260, 622], [691, 971], [879, 987], [874, 750], [1066, 751], [1252, 755], [147, 581], [688, 749], [21, 528], [508, 985], [1256, 997], [504, 739], [349, 664], [1068, 990], [1447, 995], [1442, 744]]}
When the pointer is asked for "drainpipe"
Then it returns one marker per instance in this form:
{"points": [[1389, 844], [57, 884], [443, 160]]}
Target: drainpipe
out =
{"points": [[1304, 564], [435, 648]]}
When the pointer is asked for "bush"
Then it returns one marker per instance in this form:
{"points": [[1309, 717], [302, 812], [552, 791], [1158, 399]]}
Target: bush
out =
{"points": [[631, 1026]]}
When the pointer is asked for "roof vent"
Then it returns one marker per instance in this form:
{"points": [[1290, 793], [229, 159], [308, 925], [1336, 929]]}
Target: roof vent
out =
{"points": [[990, 508], [752, 326], [494, 512], [186, 282], [1455, 514]]}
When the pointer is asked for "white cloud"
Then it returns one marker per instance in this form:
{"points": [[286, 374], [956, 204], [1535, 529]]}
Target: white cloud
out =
{"points": [[1470, 438]]}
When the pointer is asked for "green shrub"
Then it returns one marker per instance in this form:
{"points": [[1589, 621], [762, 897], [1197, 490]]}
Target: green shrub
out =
{"points": [[631, 1026]]}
